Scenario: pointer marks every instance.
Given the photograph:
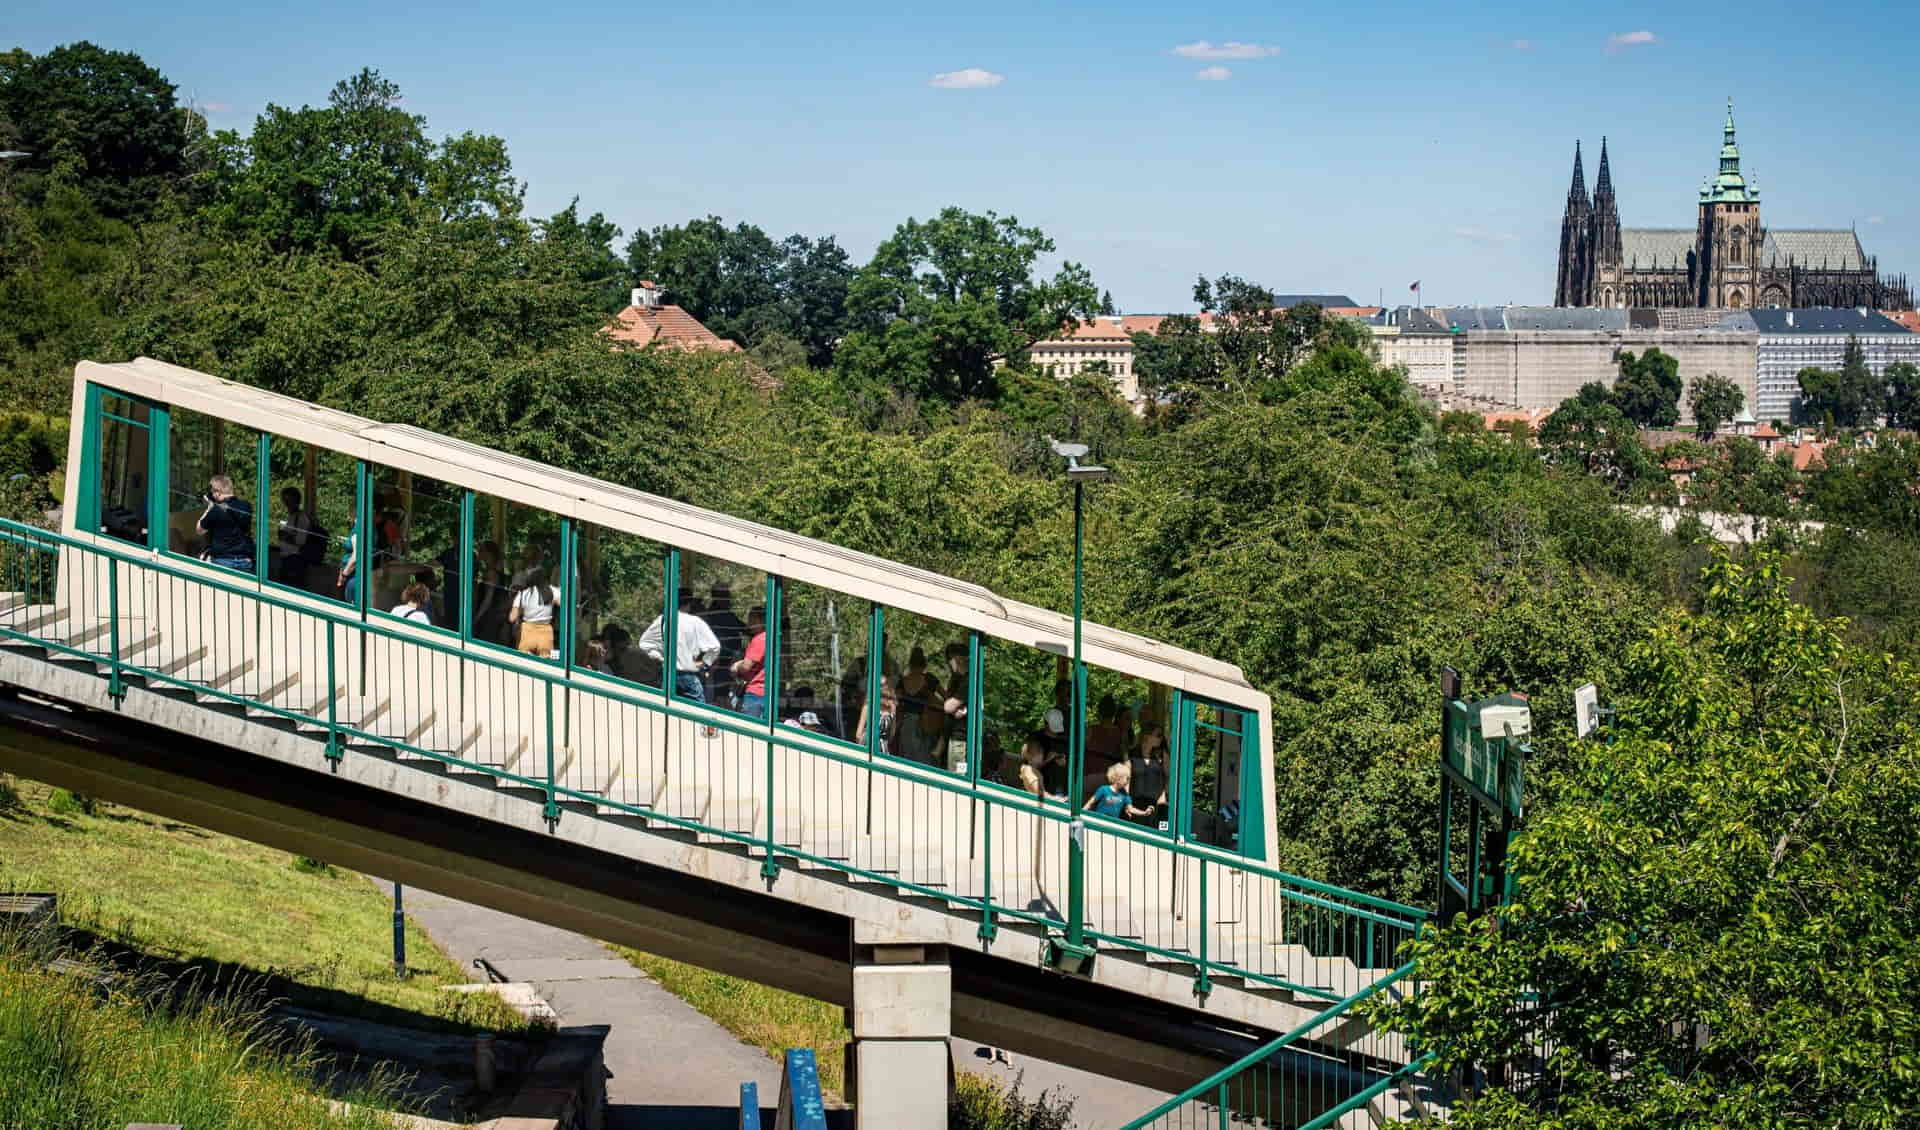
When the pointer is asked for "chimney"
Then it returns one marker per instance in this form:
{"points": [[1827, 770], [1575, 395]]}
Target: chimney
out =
{"points": [[646, 295]]}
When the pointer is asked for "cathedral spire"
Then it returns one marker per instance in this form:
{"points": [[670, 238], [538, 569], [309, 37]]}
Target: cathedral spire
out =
{"points": [[1577, 191], [1574, 280], [1605, 224]]}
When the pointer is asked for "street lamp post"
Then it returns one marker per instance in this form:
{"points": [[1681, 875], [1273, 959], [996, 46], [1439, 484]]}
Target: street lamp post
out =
{"points": [[1073, 954]]}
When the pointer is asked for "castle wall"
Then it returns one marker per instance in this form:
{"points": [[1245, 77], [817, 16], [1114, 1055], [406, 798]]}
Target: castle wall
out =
{"points": [[1534, 370]]}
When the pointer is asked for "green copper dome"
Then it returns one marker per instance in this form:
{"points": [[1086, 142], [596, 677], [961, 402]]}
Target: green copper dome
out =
{"points": [[1729, 187]]}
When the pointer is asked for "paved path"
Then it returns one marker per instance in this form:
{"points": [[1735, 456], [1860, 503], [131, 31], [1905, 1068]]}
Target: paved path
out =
{"points": [[669, 1067]]}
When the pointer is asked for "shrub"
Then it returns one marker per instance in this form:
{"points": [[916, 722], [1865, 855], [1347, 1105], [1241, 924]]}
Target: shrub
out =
{"points": [[65, 803], [980, 1104], [307, 865]]}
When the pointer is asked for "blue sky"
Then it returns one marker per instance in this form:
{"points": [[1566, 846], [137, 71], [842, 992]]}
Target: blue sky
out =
{"points": [[1341, 148]]}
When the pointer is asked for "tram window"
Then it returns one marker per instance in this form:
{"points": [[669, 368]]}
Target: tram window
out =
{"points": [[1214, 766], [313, 497], [124, 437], [416, 540], [623, 579], [201, 447], [721, 595], [923, 669], [1019, 686], [823, 659], [515, 546]]}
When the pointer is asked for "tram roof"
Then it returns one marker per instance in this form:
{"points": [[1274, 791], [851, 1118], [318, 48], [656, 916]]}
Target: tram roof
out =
{"points": [[666, 520]]}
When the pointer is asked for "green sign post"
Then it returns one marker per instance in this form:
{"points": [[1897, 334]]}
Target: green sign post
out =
{"points": [[1482, 770]]}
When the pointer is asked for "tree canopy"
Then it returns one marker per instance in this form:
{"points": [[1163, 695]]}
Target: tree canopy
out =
{"points": [[1648, 388], [105, 121], [946, 298], [1716, 922]]}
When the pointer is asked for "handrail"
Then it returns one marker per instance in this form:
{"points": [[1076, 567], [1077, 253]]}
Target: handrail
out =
{"points": [[1266, 1051], [1292, 889]]}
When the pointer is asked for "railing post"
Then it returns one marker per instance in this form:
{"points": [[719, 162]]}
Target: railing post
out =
{"points": [[770, 700], [116, 689], [1203, 984], [552, 808], [988, 930], [333, 697], [1222, 1105]]}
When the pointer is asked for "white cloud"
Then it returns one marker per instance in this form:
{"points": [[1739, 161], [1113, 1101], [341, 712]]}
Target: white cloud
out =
{"points": [[1213, 74], [972, 78], [216, 107], [1228, 50], [1630, 39], [1876, 219], [1521, 45], [1483, 235]]}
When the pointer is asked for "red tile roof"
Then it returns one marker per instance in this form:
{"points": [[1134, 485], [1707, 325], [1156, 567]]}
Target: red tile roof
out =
{"points": [[1354, 311], [1765, 431], [1808, 453], [1908, 318], [668, 325]]}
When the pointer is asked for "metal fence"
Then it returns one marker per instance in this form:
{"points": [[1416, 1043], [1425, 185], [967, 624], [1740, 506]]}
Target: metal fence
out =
{"points": [[573, 741]]}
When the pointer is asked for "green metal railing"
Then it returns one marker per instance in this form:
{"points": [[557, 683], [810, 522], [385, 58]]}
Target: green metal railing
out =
{"points": [[1308, 1078], [571, 740]]}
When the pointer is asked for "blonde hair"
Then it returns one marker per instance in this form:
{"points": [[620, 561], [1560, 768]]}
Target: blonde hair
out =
{"points": [[1119, 775]]}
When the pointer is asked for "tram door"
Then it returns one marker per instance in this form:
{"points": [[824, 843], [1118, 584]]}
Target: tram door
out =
{"points": [[1212, 774]]}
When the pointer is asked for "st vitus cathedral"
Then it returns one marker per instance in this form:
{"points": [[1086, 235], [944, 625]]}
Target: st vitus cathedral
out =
{"points": [[1727, 260]]}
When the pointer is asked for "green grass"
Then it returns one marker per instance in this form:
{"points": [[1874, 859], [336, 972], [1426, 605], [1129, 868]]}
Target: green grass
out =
{"points": [[767, 1018], [321, 937], [77, 1055]]}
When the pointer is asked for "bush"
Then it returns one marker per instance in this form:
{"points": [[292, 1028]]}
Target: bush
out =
{"points": [[980, 1104], [64, 803], [307, 865]]}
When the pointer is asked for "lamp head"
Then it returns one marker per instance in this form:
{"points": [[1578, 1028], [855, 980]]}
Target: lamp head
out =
{"points": [[1066, 450], [10, 154], [1088, 474]]}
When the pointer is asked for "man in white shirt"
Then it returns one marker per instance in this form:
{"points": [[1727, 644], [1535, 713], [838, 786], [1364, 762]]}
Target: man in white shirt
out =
{"points": [[696, 648]]}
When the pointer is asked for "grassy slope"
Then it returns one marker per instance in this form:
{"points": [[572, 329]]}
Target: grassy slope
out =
{"points": [[73, 1057], [190, 895]]}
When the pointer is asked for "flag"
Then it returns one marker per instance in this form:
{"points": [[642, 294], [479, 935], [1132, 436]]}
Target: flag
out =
{"points": [[1415, 286]]}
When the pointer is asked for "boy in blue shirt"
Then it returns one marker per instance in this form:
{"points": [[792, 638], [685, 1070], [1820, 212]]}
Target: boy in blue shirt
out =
{"points": [[1111, 798]]}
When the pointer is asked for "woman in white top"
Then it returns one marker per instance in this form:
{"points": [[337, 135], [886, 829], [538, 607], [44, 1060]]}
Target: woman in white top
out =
{"points": [[535, 610], [413, 604]]}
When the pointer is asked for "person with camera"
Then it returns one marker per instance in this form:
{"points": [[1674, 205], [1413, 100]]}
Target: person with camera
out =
{"points": [[228, 525]]}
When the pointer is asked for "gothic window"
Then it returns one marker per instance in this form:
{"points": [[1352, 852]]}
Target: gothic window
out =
{"points": [[1606, 298], [1737, 300], [1733, 247]]}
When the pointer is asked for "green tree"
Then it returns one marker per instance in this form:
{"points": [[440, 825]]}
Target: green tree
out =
{"points": [[1590, 433], [338, 176], [1850, 397], [1648, 389], [744, 286], [729, 278], [945, 299], [1714, 400], [1871, 487], [105, 120], [1903, 395], [1715, 922], [591, 244]]}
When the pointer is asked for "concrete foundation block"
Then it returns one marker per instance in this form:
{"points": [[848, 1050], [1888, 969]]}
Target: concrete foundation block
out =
{"points": [[902, 1002], [901, 1084]]}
